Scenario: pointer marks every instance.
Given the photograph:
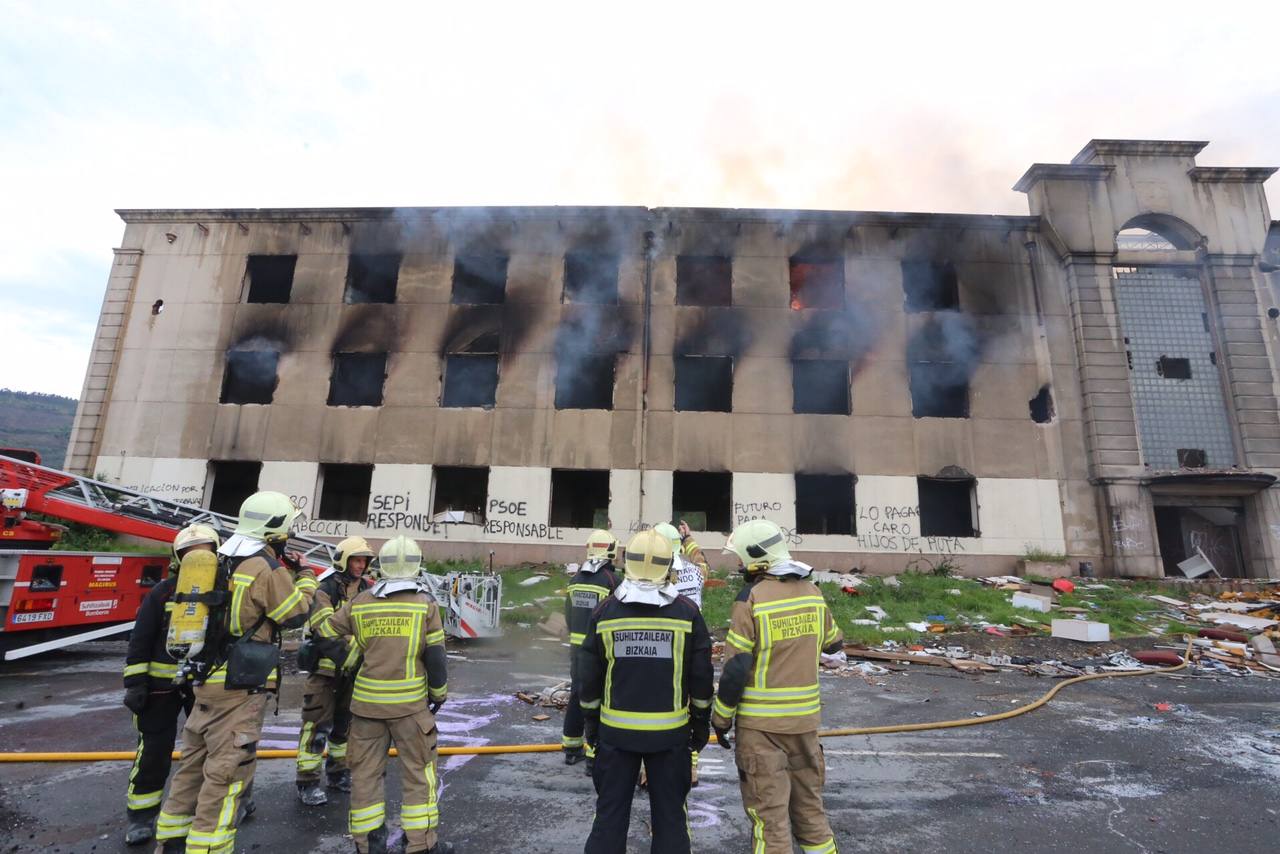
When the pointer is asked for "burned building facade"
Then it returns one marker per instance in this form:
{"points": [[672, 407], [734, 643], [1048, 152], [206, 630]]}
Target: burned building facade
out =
{"points": [[1095, 380]]}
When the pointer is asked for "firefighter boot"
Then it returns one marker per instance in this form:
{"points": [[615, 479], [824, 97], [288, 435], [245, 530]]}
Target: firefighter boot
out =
{"points": [[340, 779], [441, 848], [177, 845], [139, 831], [574, 755], [380, 843], [312, 794]]}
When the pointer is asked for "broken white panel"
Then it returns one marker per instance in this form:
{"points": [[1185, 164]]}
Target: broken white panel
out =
{"points": [[1242, 621], [1032, 602], [1197, 565], [1082, 630]]}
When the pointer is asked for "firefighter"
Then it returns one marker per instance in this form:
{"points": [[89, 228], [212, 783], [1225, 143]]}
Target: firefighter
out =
{"points": [[689, 570], [399, 687], [326, 697], [587, 589], [220, 739], [646, 695], [779, 624], [150, 693]]}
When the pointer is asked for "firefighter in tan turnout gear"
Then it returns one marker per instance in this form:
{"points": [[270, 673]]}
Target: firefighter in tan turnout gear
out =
{"points": [[646, 694], [156, 702], [399, 687], [590, 586], [779, 625], [326, 697], [260, 596]]}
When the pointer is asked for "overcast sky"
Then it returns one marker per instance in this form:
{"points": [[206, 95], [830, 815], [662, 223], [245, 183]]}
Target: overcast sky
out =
{"points": [[795, 105]]}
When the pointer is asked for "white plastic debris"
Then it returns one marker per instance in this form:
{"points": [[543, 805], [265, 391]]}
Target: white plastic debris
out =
{"points": [[892, 581], [918, 627], [1082, 630], [877, 612], [532, 580], [1032, 602]]}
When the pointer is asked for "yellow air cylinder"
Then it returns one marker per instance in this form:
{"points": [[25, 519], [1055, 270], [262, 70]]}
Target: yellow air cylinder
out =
{"points": [[188, 621]]}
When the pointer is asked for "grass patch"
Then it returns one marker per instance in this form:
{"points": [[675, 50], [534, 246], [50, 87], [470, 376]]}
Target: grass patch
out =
{"points": [[1039, 555]]}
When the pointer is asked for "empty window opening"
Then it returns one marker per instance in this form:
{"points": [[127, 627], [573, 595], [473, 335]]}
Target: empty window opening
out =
{"points": [[1042, 411], [584, 381], [938, 390], [344, 491], [357, 379], [947, 507], [1213, 532], [470, 379], [372, 278], [461, 493], [817, 282], [704, 280], [590, 277], [250, 376], [1192, 458], [1173, 368], [479, 279], [157, 306], [701, 499], [930, 286], [270, 277], [824, 504], [579, 498], [704, 383], [820, 386], [232, 482], [941, 357]]}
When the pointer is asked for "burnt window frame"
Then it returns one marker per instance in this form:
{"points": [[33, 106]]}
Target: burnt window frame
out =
{"points": [[559, 476], [323, 481], [812, 479], [266, 260], [685, 288], [453, 362], [678, 512], [833, 259], [848, 390], [369, 263], [346, 357], [456, 471], [612, 358], [215, 467], [689, 361], [971, 487], [915, 299], [468, 267], [574, 263], [228, 371], [1180, 364]]}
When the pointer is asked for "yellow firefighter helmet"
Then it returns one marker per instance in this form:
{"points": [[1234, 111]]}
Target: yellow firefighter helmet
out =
{"points": [[267, 516], [648, 557], [194, 535], [672, 534], [400, 557], [600, 544], [349, 548], [759, 544]]}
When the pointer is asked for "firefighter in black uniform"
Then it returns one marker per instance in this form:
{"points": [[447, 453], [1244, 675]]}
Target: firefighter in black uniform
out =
{"points": [[150, 694], [587, 589], [646, 695]]}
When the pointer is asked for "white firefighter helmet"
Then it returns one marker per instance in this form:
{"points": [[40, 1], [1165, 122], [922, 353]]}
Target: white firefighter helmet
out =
{"points": [[666, 529], [193, 535], [759, 544], [648, 557], [399, 557], [602, 544], [266, 516], [349, 548]]}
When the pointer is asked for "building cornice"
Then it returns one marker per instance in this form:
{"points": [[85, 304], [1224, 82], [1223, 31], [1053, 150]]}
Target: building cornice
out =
{"points": [[1138, 148], [1231, 174], [635, 214], [1061, 172]]}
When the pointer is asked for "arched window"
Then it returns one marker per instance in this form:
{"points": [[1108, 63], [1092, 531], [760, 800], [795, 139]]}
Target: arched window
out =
{"points": [[1156, 233]]}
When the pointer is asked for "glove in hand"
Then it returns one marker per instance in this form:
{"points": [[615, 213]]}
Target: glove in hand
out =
{"points": [[135, 698]]}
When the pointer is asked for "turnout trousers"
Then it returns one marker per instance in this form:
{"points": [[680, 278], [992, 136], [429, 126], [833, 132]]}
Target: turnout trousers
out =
{"points": [[415, 739], [782, 777], [615, 775], [157, 731], [326, 721], [219, 754], [571, 737]]}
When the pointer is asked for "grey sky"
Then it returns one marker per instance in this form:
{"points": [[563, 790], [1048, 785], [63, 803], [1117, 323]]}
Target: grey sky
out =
{"points": [[934, 107]]}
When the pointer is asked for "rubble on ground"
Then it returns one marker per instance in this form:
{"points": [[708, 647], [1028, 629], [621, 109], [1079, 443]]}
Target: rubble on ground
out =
{"points": [[553, 697]]}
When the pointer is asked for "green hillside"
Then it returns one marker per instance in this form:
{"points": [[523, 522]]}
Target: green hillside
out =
{"points": [[38, 421]]}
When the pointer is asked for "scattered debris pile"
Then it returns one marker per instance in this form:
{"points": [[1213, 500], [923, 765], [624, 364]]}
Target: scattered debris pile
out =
{"points": [[553, 697]]}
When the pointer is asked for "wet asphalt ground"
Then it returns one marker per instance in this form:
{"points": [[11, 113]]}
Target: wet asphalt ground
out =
{"points": [[1101, 770]]}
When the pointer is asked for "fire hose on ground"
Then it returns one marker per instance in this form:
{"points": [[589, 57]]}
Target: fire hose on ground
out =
{"points": [[492, 749]]}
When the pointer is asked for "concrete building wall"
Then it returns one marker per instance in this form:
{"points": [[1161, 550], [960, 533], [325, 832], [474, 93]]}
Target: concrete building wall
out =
{"points": [[1034, 312]]}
